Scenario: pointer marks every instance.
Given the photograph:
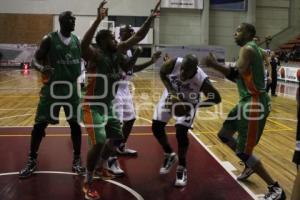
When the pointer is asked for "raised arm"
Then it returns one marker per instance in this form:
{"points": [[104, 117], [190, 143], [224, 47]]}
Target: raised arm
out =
{"points": [[88, 52], [144, 65], [165, 70], [40, 61], [141, 33], [211, 93], [240, 67]]}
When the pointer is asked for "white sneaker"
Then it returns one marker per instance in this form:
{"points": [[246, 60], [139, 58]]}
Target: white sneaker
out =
{"points": [[113, 166], [247, 172], [122, 150], [169, 162], [275, 193], [181, 176]]}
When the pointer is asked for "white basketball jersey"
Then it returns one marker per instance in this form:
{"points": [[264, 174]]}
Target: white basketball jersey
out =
{"points": [[189, 89], [123, 100]]}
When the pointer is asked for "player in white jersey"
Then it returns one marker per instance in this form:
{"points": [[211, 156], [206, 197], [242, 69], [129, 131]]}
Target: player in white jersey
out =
{"points": [[184, 80], [124, 101]]}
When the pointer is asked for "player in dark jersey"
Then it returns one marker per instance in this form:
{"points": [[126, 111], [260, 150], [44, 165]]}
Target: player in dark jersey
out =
{"points": [[106, 62], [58, 59], [248, 117]]}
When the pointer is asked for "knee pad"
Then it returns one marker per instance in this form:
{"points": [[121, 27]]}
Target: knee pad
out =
{"points": [[181, 135], [249, 160], [158, 128]]}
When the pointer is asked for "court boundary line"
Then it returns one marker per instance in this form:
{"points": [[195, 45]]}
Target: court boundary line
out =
{"points": [[252, 194], [125, 187]]}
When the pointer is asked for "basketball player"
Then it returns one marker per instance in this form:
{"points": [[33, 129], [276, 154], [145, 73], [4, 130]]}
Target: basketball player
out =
{"points": [[249, 116], [274, 62], [296, 159], [58, 59], [105, 60], [124, 102], [183, 80]]}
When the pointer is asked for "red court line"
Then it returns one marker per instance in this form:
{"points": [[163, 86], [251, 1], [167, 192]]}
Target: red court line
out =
{"points": [[207, 179]]}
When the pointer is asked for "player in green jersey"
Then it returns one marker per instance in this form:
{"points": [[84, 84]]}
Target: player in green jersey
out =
{"points": [[249, 116], [58, 59], [106, 62]]}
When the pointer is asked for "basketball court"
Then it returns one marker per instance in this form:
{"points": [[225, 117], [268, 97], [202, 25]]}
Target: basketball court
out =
{"points": [[212, 167]]}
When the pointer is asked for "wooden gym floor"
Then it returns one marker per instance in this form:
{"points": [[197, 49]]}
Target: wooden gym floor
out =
{"points": [[19, 94]]}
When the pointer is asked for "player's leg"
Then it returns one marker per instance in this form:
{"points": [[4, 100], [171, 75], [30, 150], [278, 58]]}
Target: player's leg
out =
{"points": [[160, 118], [42, 118], [37, 134], [250, 129], [76, 134], [128, 119], [114, 133], [94, 122], [183, 144]]}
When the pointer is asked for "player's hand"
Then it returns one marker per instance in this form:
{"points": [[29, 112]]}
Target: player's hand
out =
{"points": [[47, 70], [172, 98], [138, 51], [209, 60], [155, 56], [102, 12]]}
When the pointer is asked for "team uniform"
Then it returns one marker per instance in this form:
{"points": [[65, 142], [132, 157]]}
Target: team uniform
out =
{"points": [[244, 117], [60, 89], [189, 90], [99, 115], [123, 101]]}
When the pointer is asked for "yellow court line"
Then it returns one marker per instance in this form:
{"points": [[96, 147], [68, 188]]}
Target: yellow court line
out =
{"points": [[273, 121], [268, 130], [280, 124]]}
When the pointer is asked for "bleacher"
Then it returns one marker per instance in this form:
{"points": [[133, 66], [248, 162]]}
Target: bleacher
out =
{"points": [[291, 49]]}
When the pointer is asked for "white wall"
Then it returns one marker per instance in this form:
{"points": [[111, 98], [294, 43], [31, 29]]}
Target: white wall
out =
{"points": [[221, 30], [271, 16], [79, 7], [180, 27]]}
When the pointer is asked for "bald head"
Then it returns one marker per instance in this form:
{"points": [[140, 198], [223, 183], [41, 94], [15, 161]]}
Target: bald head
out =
{"points": [[189, 66], [67, 21]]}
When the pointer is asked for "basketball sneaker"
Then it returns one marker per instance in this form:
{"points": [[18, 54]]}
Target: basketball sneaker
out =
{"points": [[90, 192], [77, 168], [181, 176], [122, 150], [29, 168], [103, 174], [113, 166], [275, 193], [247, 172], [169, 162]]}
